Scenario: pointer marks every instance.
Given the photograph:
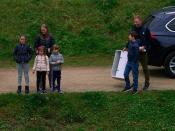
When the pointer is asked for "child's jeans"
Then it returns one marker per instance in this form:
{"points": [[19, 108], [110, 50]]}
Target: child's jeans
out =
{"points": [[56, 77], [41, 80], [131, 66], [23, 68]]}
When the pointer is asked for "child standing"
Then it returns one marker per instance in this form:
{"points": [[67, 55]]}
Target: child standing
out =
{"points": [[132, 64], [41, 66], [22, 55], [56, 61]]}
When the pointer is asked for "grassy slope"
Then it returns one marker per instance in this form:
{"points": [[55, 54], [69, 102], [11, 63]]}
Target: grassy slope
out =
{"points": [[81, 27], [153, 111]]}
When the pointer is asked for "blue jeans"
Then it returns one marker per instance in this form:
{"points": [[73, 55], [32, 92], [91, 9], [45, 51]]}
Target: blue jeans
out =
{"points": [[131, 66], [23, 68], [56, 77]]}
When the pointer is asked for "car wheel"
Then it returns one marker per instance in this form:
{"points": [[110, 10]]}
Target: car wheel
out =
{"points": [[170, 65]]}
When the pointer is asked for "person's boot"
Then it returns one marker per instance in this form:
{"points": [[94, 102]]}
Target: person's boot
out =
{"points": [[146, 86], [26, 89], [38, 90], [19, 89]]}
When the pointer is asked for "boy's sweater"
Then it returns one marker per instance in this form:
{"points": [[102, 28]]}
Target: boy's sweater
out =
{"points": [[53, 61], [133, 51], [41, 63]]}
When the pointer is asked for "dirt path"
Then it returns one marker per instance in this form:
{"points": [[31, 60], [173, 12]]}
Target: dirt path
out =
{"points": [[81, 79]]}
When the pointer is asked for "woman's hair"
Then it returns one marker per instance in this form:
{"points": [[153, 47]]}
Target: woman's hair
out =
{"points": [[42, 48], [22, 35], [55, 47], [44, 26]]}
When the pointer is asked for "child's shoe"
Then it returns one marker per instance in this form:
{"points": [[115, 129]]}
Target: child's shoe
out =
{"points": [[44, 91], [134, 92], [38, 90], [19, 89], [60, 91], [52, 89], [126, 89], [26, 89]]}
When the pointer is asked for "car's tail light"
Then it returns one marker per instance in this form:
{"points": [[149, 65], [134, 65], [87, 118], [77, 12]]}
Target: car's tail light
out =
{"points": [[153, 35]]}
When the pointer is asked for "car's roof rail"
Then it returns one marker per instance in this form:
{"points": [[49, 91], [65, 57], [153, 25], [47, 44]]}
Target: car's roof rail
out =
{"points": [[169, 10], [168, 7]]}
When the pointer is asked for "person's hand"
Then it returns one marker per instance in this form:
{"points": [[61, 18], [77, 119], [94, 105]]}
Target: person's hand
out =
{"points": [[142, 48], [48, 50], [125, 49], [36, 51], [33, 71], [47, 72], [58, 62]]}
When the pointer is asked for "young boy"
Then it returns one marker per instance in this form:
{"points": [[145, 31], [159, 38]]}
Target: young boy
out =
{"points": [[56, 60], [133, 63], [22, 55]]}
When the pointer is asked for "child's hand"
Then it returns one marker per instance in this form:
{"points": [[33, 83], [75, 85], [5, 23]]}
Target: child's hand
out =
{"points": [[58, 62], [124, 49], [48, 50]]}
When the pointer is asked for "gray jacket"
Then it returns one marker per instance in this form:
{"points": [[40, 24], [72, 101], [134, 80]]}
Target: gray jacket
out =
{"points": [[56, 60]]}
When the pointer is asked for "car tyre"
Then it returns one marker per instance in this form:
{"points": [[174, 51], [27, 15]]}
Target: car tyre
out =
{"points": [[169, 65]]}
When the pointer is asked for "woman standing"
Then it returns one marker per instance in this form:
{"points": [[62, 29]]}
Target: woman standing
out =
{"points": [[46, 40]]}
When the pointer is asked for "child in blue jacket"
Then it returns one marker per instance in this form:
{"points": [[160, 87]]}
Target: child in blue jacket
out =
{"points": [[22, 55], [56, 61], [133, 63]]}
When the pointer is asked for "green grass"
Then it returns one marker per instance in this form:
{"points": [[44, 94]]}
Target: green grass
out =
{"points": [[97, 111], [80, 27]]}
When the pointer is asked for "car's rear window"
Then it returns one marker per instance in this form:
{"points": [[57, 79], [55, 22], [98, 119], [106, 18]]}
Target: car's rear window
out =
{"points": [[148, 20], [171, 25]]}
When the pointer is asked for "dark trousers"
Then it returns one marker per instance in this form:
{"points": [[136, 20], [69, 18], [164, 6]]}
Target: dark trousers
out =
{"points": [[130, 66], [41, 80], [56, 77], [49, 78], [144, 62]]}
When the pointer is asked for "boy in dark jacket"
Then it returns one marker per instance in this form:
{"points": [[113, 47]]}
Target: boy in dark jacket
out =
{"points": [[133, 63], [22, 55]]}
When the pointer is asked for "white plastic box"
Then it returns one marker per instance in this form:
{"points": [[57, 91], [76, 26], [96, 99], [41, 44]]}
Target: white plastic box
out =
{"points": [[119, 64]]}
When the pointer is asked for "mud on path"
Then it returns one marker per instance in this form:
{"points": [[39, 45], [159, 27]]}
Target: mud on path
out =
{"points": [[81, 79]]}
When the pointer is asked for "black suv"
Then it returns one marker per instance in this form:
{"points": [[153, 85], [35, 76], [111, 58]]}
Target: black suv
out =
{"points": [[162, 28]]}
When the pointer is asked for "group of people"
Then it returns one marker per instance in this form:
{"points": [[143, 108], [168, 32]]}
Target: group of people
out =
{"points": [[48, 61], [137, 47]]}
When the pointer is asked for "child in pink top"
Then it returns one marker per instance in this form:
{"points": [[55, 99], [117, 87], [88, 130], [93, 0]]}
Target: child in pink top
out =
{"points": [[41, 67]]}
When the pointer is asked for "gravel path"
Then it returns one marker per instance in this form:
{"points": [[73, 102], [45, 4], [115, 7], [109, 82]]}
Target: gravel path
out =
{"points": [[81, 79]]}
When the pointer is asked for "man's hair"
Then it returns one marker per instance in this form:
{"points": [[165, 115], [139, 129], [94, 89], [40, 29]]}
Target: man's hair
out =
{"points": [[137, 17], [22, 35], [134, 34]]}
